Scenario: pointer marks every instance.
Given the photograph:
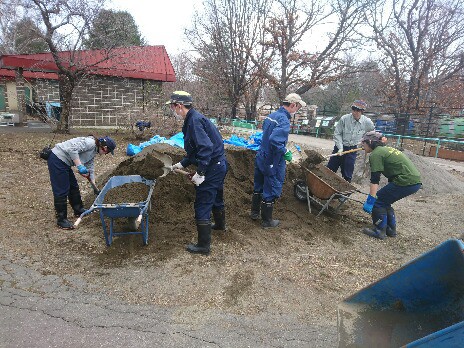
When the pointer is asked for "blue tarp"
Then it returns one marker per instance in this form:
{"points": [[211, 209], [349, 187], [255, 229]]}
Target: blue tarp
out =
{"points": [[175, 140], [253, 142], [53, 109]]}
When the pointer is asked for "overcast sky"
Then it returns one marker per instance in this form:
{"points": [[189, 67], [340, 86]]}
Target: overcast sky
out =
{"points": [[160, 22]]}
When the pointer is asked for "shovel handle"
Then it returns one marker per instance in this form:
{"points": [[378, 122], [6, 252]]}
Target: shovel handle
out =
{"points": [[345, 152], [95, 188], [180, 171]]}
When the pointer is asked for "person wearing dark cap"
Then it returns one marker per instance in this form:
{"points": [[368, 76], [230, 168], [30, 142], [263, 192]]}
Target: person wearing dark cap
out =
{"points": [[347, 135], [205, 148], [403, 180], [79, 152], [270, 161]]}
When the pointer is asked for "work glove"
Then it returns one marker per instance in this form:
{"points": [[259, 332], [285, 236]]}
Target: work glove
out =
{"points": [[96, 192], [288, 156], [339, 153], [177, 166], [197, 179], [369, 204], [82, 169]]}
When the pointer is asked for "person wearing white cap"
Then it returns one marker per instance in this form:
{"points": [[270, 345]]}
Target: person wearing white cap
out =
{"points": [[347, 135], [270, 160]]}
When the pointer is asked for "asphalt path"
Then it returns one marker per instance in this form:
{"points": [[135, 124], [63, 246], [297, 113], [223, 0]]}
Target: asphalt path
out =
{"points": [[40, 310]]}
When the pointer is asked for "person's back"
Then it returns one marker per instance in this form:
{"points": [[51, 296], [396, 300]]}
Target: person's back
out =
{"points": [[202, 140], [276, 128], [395, 165]]}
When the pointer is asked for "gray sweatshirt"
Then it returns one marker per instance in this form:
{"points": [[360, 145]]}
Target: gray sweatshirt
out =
{"points": [[82, 147]]}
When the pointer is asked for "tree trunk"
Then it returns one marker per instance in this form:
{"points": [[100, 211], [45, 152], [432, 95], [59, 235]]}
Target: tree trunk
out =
{"points": [[66, 87]]}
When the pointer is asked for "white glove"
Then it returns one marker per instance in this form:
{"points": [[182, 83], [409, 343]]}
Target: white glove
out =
{"points": [[177, 166], [198, 179], [339, 153]]}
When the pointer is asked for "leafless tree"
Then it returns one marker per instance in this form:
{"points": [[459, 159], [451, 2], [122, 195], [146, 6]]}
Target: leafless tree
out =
{"points": [[289, 62], [9, 14], [422, 46], [221, 35], [64, 25]]}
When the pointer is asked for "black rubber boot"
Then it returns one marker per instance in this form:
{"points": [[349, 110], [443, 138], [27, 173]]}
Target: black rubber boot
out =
{"points": [[61, 208], [204, 238], [266, 215], [75, 201], [256, 205], [391, 222], [219, 217], [379, 219]]}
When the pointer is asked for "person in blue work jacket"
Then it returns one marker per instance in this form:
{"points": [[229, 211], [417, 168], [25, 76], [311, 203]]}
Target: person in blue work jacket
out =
{"points": [[205, 148], [347, 135], [79, 152], [270, 160]]}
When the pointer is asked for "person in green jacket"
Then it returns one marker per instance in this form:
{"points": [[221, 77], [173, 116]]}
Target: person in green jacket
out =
{"points": [[403, 180]]}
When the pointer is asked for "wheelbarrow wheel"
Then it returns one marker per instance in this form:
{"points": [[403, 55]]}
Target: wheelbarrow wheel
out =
{"points": [[299, 190]]}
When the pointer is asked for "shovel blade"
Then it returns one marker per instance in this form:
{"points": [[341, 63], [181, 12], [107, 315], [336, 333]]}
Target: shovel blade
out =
{"points": [[166, 171], [166, 159]]}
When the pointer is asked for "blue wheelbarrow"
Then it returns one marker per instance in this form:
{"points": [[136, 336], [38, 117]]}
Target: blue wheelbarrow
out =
{"points": [[419, 305], [138, 210]]}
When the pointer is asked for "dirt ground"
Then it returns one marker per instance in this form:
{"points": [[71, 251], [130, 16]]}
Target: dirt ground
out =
{"points": [[304, 267]]}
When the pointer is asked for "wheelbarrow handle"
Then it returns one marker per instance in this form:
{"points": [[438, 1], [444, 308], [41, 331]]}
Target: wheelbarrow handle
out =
{"points": [[79, 219], [344, 152]]}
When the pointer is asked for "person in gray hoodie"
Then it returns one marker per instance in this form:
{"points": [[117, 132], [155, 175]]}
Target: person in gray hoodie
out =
{"points": [[79, 152]]}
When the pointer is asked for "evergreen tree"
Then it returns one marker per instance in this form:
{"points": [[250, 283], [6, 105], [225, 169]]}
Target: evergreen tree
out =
{"points": [[113, 29]]}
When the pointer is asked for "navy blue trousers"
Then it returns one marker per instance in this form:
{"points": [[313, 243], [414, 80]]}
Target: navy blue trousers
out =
{"points": [[61, 176], [269, 185], [391, 193], [210, 194], [345, 162]]}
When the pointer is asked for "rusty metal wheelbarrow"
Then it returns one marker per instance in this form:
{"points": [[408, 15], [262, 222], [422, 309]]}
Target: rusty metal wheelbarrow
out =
{"points": [[137, 211], [321, 187]]}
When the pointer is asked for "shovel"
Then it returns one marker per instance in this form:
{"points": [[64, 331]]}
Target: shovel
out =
{"points": [[95, 188], [344, 152], [167, 163]]}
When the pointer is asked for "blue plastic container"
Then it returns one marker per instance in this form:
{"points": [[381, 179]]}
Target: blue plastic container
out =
{"points": [[423, 298]]}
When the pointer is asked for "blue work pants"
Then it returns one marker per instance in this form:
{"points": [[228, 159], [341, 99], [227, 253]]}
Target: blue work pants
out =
{"points": [[269, 185], [210, 194], [391, 193], [62, 176], [345, 162]]}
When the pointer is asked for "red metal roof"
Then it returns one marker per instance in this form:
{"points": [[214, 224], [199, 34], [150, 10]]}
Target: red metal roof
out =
{"points": [[10, 74], [140, 62]]}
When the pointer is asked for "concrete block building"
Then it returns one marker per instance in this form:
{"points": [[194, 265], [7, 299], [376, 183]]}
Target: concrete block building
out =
{"points": [[117, 83]]}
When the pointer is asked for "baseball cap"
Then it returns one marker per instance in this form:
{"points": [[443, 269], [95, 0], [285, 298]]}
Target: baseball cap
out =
{"points": [[294, 98], [108, 142], [180, 97], [359, 104], [372, 136]]}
